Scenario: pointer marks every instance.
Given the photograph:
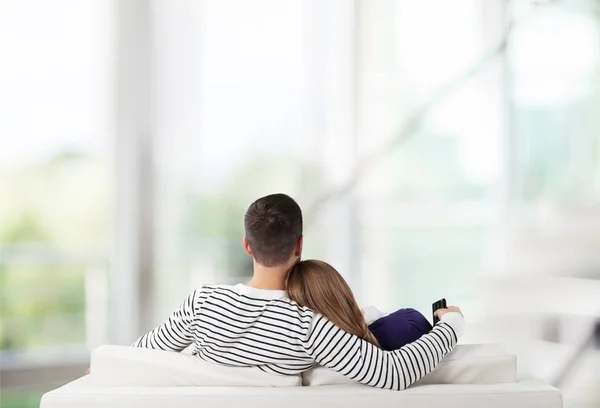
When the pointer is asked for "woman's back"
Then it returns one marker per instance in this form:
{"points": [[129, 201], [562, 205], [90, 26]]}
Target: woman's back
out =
{"points": [[318, 286]]}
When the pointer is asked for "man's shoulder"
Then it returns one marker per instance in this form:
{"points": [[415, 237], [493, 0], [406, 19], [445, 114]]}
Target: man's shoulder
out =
{"points": [[203, 292], [237, 291], [209, 288]]}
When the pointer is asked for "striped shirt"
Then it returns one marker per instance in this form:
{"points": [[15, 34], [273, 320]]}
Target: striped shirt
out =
{"points": [[247, 327]]}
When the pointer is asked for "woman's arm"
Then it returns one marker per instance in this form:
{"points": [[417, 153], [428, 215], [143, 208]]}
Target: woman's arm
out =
{"points": [[360, 360], [175, 334]]}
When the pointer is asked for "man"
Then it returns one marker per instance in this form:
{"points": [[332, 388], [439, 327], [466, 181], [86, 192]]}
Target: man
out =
{"points": [[256, 325]]}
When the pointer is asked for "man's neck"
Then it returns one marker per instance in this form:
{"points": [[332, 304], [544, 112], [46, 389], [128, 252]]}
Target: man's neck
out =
{"points": [[269, 278]]}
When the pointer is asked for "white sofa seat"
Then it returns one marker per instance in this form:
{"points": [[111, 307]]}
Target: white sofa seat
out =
{"points": [[523, 394]]}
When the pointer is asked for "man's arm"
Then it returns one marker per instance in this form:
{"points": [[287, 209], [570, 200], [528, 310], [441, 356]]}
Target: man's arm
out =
{"points": [[175, 334], [360, 360]]}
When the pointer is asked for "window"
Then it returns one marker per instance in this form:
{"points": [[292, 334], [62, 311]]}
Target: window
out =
{"points": [[429, 201], [55, 177], [243, 112], [554, 59]]}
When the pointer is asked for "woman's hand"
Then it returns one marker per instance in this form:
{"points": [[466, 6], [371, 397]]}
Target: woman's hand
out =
{"points": [[440, 312], [87, 372]]}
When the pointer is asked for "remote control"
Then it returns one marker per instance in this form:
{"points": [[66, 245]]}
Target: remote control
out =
{"points": [[440, 304]]}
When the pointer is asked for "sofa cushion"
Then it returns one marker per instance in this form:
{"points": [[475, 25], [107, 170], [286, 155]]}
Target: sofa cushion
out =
{"points": [[129, 366], [466, 364]]}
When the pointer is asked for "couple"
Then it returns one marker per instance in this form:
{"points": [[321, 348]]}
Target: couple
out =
{"points": [[293, 314]]}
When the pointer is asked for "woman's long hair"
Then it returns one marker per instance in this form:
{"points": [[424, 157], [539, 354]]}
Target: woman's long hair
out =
{"points": [[318, 286]]}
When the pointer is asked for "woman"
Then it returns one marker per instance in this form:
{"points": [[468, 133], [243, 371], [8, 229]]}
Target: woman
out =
{"points": [[318, 286]]}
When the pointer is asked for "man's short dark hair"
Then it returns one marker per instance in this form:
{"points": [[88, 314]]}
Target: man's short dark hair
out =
{"points": [[273, 226]]}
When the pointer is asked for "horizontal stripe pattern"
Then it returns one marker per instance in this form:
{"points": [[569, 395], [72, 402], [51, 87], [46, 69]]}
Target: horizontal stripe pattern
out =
{"points": [[229, 327]]}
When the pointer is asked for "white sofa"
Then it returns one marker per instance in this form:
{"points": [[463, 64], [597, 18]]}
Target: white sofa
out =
{"points": [[472, 376]]}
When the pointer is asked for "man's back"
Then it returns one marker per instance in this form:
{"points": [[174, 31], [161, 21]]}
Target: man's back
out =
{"points": [[244, 326]]}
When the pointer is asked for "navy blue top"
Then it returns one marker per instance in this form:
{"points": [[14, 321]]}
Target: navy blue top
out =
{"points": [[399, 328]]}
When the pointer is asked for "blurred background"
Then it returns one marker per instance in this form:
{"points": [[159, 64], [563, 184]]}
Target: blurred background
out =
{"points": [[438, 149]]}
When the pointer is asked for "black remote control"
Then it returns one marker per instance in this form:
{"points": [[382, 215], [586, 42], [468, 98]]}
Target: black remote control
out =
{"points": [[440, 304]]}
